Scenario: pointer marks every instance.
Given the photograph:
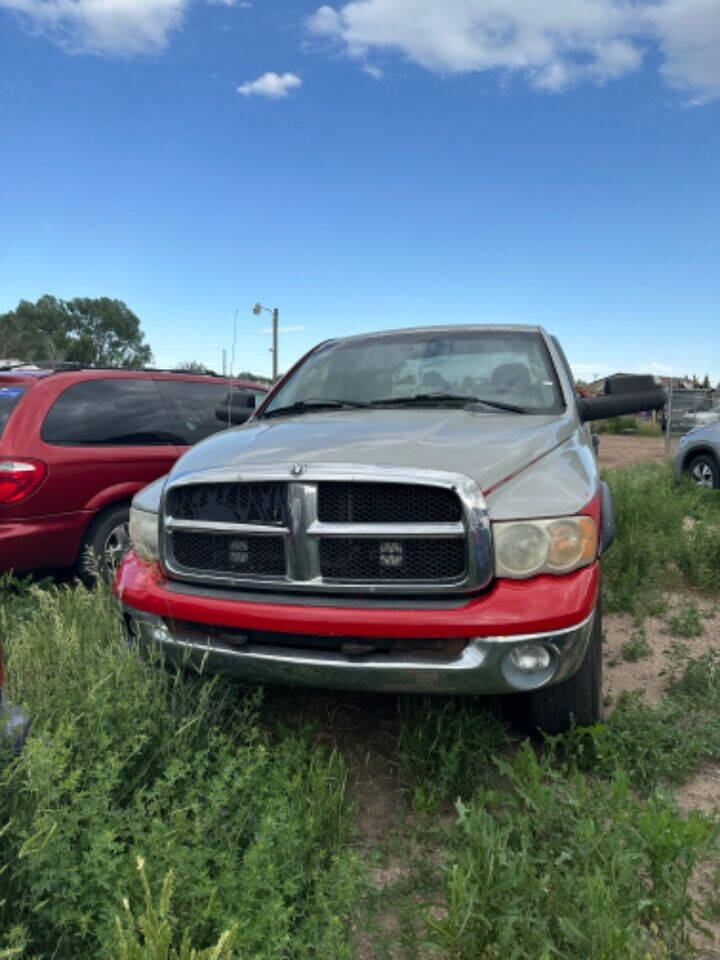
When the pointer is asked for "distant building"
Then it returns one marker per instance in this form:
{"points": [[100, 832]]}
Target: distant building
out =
{"points": [[678, 383]]}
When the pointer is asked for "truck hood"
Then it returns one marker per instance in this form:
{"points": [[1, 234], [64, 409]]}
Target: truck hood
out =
{"points": [[488, 447]]}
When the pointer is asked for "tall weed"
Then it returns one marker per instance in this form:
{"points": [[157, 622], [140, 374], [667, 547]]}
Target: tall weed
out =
{"points": [[443, 748], [556, 867], [667, 537], [126, 757]]}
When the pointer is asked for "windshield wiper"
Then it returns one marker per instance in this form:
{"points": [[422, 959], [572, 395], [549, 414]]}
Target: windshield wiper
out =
{"points": [[312, 403], [499, 405], [425, 398], [431, 398]]}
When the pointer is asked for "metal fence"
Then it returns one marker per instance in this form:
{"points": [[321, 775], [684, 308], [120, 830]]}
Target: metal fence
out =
{"points": [[687, 409]]}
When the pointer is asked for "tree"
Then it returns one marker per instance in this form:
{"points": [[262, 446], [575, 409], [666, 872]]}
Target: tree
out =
{"points": [[255, 377], [193, 366], [706, 382], [100, 332]]}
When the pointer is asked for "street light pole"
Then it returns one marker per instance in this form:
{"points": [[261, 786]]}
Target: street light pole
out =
{"points": [[275, 315], [257, 310]]}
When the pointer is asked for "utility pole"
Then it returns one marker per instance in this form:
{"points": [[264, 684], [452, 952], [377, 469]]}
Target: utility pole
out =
{"points": [[224, 361], [275, 316]]}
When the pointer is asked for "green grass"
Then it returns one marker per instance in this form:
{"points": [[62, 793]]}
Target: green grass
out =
{"points": [[667, 537], [637, 647], [129, 759], [687, 622], [556, 866], [641, 428], [244, 824], [443, 748], [657, 745]]}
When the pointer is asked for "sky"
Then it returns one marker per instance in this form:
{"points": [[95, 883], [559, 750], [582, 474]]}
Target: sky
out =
{"points": [[368, 165]]}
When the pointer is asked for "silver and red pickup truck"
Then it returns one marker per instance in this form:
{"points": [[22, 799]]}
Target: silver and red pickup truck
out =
{"points": [[415, 510]]}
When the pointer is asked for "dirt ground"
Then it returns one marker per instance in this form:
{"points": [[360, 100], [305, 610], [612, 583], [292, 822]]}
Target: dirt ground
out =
{"points": [[620, 451], [650, 675]]}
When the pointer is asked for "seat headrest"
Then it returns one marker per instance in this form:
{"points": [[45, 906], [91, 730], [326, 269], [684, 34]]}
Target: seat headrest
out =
{"points": [[511, 376]]}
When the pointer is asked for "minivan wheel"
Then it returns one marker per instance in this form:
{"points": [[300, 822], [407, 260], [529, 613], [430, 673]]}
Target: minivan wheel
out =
{"points": [[105, 544], [552, 710], [704, 471]]}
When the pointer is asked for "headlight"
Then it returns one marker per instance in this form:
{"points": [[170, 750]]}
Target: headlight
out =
{"points": [[144, 533], [524, 548]]}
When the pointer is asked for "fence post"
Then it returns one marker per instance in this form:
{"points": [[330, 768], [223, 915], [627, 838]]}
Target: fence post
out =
{"points": [[668, 419]]}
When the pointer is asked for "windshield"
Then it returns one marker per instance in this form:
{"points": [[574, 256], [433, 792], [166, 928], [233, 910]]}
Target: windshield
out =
{"points": [[511, 369], [9, 396]]}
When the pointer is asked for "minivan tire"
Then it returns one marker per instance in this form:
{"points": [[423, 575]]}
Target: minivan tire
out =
{"points": [[552, 710], [704, 470], [108, 529]]}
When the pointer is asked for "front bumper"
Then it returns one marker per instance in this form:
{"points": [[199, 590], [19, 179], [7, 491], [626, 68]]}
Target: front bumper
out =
{"points": [[482, 667], [556, 613]]}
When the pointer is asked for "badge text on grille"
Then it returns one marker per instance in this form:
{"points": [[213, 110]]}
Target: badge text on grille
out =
{"points": [[391, 554]]}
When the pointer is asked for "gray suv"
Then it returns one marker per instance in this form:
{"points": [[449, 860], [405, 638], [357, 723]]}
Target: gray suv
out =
{"points": [[417, 510], [698, 456]]}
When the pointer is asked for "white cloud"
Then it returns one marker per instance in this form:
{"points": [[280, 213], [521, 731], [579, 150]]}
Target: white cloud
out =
{"points": [[689, 35], [272, 85], [553, 44], [654, 367], [242, 4], [374, 72], [104, 26]]}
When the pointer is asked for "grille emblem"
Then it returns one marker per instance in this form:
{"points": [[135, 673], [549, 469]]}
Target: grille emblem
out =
{"points": [[239, 552], [391, 554], [298, 469]]}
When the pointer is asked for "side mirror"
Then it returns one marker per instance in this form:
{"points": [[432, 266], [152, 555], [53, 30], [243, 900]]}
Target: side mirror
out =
{"points": [[623, 394], [233, 416], [236, 408]]}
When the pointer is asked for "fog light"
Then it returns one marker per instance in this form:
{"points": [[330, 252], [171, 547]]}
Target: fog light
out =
{"points": [[530, 658], [239, 552], [391, 554]]}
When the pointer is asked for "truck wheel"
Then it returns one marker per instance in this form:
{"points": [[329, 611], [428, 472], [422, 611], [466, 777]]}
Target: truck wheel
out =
{"points": [[704, 471], [553, 709], [104, 545]]}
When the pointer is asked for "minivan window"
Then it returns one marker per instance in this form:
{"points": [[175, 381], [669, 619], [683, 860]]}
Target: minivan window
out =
{"points": [[9, 397], [109, 412], [192, 405]]}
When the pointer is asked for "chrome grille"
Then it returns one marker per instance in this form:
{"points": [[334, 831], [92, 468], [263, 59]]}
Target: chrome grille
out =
{"points": [[386, 503], [333, 529], [255, 503], [421, 559]]}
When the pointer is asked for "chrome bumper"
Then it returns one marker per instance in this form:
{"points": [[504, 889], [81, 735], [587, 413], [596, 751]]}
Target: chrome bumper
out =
{"points": [[482, 667]]}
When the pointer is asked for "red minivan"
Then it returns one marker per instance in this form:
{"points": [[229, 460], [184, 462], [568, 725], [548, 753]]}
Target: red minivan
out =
{"points": [[75, 446]]}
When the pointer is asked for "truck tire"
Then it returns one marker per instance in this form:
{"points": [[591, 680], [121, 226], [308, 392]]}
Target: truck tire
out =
{"points": [[104, 544], [552, 710]]}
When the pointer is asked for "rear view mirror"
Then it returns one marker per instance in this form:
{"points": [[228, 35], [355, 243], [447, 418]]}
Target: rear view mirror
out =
{"points": [[624, 394], [236, 408]]}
